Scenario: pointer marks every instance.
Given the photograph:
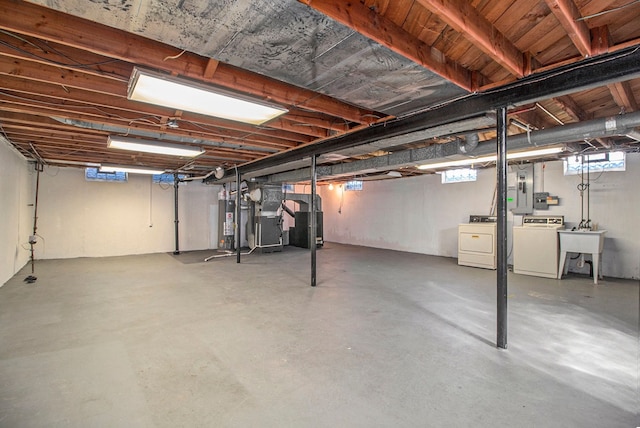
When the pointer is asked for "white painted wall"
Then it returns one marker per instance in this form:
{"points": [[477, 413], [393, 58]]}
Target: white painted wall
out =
{"points": [[615, 206], [80, 218], [422, 215], [17, 189]]}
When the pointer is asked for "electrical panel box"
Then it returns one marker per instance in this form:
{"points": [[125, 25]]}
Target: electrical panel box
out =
{"points": [[542, 200], [520, 189]]}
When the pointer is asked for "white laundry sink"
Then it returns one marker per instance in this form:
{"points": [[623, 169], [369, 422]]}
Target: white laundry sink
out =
{"points": [[585, 242], [582, 241]]}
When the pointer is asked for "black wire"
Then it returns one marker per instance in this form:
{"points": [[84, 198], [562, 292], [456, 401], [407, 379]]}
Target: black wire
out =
{"points": [[59, 63]]}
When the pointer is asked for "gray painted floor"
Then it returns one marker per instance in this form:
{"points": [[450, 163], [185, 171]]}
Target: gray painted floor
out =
{"points": [[386, 339]]}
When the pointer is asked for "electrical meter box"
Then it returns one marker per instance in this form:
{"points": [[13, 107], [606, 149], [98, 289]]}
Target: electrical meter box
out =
{"points": [[520, 189]]}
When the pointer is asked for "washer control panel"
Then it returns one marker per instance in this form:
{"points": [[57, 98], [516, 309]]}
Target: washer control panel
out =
{"points": [[482, 218], [532, 220]]}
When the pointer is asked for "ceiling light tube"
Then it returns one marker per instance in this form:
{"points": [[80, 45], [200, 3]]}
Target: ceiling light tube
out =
{"points": [[68, 162], [131, 169], [180, 94], [492, 158], [133, 144]]}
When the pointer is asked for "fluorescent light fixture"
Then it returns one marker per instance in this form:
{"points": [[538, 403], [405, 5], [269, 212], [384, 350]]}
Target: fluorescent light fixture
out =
{"points": [[492, 158], [179, 94], [68, 162], [133, 144], [131, 169]]}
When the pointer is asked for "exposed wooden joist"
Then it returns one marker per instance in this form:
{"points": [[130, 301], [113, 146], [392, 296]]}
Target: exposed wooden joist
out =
{"points": [[465, 19], [600, 40], [568, 14], [32, 49], [367, 22], [60, 76], [590, 73], [32, 79], [32, 133], [313, 131], [568, 105], [315, 119], [126, 123], [37, 21], [623, 96], [620, 91]]}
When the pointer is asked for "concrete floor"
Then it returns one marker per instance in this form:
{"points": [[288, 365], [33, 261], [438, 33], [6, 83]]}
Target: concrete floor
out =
{"points": [[386, 339]]}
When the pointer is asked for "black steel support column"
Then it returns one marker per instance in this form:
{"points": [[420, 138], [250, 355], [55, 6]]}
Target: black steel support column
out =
{"points": [[501, 167], [176, 221], [238, 231], [313, 233]]}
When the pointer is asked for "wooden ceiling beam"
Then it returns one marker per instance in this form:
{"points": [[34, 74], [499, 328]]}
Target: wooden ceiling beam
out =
{"points": [[29, 134], [465, 19], [569, 106], [117, 105], [367, 22], [237, 139], [568, 14], [309, 130], [60, 76], [620, 91], [58, 158], [600, 40], [54, 54], [623, 96], [315, 119], [37, 21], [25, 135], [62, 150]]}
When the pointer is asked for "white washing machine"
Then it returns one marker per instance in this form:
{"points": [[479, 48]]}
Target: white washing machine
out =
{"points": [[477, 242], [536, 246]]}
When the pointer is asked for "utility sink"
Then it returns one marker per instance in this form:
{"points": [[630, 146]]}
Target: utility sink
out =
{"points": [[581, 241]]}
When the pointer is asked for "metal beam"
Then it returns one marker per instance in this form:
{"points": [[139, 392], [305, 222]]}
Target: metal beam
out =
{"points": [[587, 74], [313, 233], [176, 182], [238, 231], [596, 128], [501, 168]]}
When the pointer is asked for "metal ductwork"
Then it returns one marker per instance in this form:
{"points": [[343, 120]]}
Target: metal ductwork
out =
{"points": [[469, 144], [155, 135], [597, 128], [633, 134], [620, 125]]}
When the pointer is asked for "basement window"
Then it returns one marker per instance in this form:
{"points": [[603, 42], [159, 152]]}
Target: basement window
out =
{"points": [[92, 174], [459, 175], [166, 178], [353, 185], [596, 162]]}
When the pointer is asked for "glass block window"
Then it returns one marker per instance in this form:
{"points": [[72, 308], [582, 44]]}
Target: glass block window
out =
{"points": [[353, 185], [165, 178], [92, 174], [459, 175], [596, 162]]}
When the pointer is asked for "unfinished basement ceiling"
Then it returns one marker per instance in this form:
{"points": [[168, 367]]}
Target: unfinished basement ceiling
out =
{"points": [[338, 67]]}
